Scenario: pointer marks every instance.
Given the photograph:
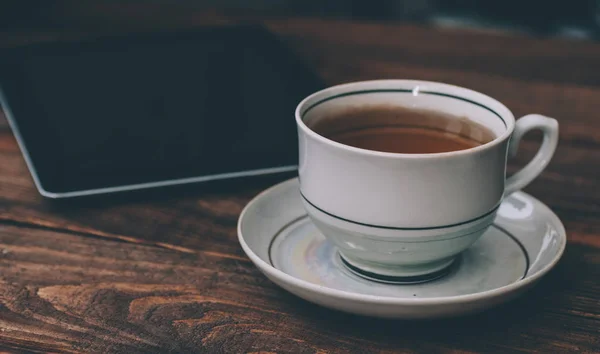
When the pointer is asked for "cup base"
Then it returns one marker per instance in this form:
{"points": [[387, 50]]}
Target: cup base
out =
{"points": [[400, 274]]}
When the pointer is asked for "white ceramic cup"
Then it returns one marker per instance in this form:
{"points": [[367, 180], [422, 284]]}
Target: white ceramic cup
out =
{"points": [[410, 215]]}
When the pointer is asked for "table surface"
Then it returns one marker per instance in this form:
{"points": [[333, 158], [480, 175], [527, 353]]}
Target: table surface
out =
{"points": [[163, 271]]}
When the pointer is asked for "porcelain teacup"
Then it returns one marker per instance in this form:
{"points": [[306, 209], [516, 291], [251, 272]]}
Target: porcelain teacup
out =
{"points": [[410, 215]]}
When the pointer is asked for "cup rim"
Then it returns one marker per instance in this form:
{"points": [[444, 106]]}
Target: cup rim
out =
{"points": [[463, 92]]}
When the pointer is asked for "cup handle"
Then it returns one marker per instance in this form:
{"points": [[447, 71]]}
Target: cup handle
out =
{"points": [[549, 127]]}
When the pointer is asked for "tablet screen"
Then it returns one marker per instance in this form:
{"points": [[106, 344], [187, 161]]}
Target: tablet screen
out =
{"points": [[127, 111]]}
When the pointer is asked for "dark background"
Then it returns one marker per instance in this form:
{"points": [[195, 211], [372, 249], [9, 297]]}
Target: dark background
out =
{"points": [[576, 19]]}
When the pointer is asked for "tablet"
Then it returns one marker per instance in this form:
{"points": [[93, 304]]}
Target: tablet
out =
{"points": [[150, 110]]}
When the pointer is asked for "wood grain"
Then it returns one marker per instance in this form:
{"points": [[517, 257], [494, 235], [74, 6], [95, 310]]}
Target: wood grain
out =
{"points": [[163, 272]]}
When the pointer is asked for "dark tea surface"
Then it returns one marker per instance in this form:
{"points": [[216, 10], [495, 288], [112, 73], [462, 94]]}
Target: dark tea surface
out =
{"points": [[401, 130]]}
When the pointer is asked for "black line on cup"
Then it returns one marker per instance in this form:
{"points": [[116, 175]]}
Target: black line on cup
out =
{"points": [[398, 227], [399, 280], [284, 227], [523, 249], [403, 91]]}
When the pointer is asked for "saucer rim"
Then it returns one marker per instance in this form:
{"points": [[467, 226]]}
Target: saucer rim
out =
{"points": [[389, 300]]}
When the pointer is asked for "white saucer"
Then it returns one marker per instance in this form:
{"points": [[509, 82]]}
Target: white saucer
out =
{"points": [[525, 242]]}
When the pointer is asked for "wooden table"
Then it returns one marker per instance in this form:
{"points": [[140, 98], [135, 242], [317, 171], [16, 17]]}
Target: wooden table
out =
{"points": [[164, 271]]}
